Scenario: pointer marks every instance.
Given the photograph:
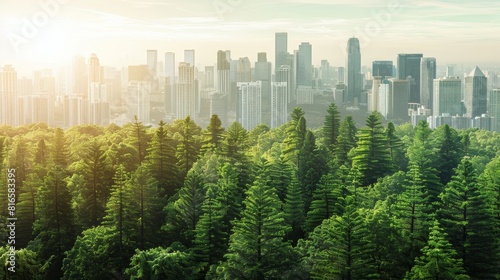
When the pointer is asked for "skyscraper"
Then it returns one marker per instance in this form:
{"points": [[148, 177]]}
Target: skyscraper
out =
{"points": [[409, 66], [185, 92], [354, 76], [189, 57], [284, 74], [249, 104], [280, 49], [279, 104], [494, 109], [475, 94], [382, 69], [304, 65], [447, 96], [223, 79], [152, 59], [399, 93], [8, 96], [427, 76], [79, 77], [170, 83], [244, 70]]}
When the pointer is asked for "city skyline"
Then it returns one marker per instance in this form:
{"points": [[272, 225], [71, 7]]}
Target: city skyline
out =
{"points": [[61, 29]]}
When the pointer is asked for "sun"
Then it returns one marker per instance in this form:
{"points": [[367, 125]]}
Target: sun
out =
{"points": [[52, 45]]}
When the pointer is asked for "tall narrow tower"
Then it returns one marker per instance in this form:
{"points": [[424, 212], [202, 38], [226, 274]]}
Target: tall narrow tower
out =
{"points": [[427, 76], [354, 77], [280, 49], [475, 94]]}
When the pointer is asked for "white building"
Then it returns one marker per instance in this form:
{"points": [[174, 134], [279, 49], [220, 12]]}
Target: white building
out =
{"points": [[249, 104], [279, 104]]}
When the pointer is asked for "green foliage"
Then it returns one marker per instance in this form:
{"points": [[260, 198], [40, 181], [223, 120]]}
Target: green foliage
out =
{"points": [[211, 234], [187, 147], [234, 147], [438, 260], [331, 126], [467, 218], [161, 159], [212, 136], [449, 152], [256, 247], [53, 228], [160, 263], [97, 245], [396, 148], [294, 211], [27, 265], [371, 156], [346, 141], [326, 201]]}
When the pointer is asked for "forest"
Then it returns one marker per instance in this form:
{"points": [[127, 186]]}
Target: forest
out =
{"points": [[177, 201]]}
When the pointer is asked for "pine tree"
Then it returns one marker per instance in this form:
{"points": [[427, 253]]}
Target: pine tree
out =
{"points": [[396, 148], [229, 194], [438, 260], [294, 211], [187, 147], [188, 206], [26, 207], [420, 155], [53, 228], [95, 191], [450, 152], [338, 248], [331, 127], [59, 149], [345, 141], [256, 247], [122, 216], [97, 245], [211, 234], [149, 206], [162, 161], [325, 201], [139, 140], [212, 136], [413, 215], [468, 220], [371, 156], [234, 148]]}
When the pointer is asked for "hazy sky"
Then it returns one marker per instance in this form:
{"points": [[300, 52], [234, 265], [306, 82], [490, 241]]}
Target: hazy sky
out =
{"points": [[120, 31]]}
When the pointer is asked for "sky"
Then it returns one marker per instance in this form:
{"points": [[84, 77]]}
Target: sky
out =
{"points": [[38, 33]]}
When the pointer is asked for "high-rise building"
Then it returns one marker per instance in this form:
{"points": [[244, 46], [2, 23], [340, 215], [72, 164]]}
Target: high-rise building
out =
{"points": [[249, 112], [8, 96], [170, 83], [283, 74], [447, 96], [189, 57], [384, 98], [304, 65], [374, 94], [280, 49], [341, 75], [382, 69], [185, 91], [152, 62], [75, 110], [223, 78], [409, 66], [354, 77], [427, 76], [399, 95], [450, 70], [209, 81], [95, 71], [279, 104], [244, 70], [475, 94], [494, 109], [79, 77], [305, 95]]}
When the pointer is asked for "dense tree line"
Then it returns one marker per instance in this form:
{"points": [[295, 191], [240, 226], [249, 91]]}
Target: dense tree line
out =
{"points": [[175, 201]]}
